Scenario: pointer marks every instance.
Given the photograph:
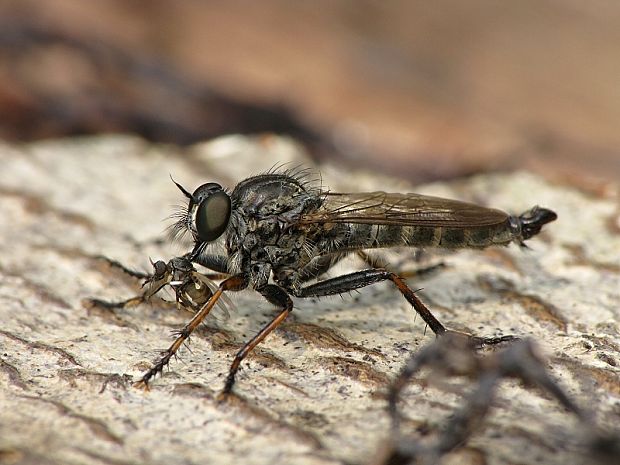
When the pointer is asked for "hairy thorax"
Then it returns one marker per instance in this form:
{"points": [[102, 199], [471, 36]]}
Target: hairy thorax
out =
{"points": [[264, 237]]}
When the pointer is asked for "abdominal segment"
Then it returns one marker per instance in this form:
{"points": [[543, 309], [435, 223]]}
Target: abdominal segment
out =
{"points": [[369, 236]]}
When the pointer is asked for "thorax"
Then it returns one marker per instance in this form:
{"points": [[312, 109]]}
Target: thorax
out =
{"points": [[264, 234]]}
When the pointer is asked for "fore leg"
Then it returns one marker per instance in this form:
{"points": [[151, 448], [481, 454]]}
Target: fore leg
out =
{"points": [[217, 263], [278, 297], [234, 283]]}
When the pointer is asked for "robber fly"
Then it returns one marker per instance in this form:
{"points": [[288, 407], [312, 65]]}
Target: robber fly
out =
{"points": [[279, 231]]}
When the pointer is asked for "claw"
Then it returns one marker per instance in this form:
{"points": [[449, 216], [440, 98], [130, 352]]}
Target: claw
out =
{"points": [[223, 397], [142, 384]]}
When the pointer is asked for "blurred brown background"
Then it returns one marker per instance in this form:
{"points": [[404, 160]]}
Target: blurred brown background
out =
{"points": [[427, 90]]}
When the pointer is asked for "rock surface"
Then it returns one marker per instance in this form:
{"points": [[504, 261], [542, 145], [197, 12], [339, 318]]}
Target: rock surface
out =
{"points": [[313, 393]]}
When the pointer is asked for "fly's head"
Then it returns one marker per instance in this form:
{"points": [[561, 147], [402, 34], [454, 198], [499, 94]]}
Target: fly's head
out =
{"points": [[206, 215]]}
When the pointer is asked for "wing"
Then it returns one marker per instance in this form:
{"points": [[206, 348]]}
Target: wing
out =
{"points": [[402, 209]]}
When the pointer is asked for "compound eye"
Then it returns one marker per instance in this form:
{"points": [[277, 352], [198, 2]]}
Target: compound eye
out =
{"points": [[212, 215]]}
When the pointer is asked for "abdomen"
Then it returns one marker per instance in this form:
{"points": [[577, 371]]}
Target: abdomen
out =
{"points": [[368, 236]]}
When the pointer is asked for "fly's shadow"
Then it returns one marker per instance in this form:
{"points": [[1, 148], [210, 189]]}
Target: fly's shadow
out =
{"points": [[454, 355]]}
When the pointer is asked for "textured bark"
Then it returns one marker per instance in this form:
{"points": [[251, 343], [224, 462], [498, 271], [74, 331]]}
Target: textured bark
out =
{"points": [[313, 393]]}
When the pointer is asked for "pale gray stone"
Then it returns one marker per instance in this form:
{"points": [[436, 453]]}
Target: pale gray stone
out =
{"points": [[314, 391]]}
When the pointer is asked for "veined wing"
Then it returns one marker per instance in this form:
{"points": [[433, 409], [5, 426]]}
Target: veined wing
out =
{"points": [[402, 209]]}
